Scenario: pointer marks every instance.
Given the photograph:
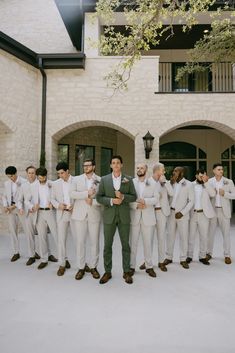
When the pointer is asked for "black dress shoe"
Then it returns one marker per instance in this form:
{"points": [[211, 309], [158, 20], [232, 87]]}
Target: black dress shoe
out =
{"points": [[15, 257], [204, 261], [67, 264], [162, 267], [151, 272], [208, 257], [106, 277], [37, 257], [87, 268], [167, 262], [127, 277], [52, 258], [132, 271], [95, 273], [80, 274], [61, 271], [30, 261], [189, 259], [227, 260], [184, 264], [42, 265], [142, 267]]}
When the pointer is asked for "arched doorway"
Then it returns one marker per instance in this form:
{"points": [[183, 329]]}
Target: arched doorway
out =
{"points": [[96, 142]]}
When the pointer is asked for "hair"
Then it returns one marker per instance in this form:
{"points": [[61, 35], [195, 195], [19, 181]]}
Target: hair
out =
{"points": [[41, 171], [200, 170], [116, 157], [157, 166], [217, 165], [62, 165], [89, 160], [30, 167], [11, 170], [182, 170]]}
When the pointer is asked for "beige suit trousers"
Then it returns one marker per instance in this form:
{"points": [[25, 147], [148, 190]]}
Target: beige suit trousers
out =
{"points": [[198, 222]]}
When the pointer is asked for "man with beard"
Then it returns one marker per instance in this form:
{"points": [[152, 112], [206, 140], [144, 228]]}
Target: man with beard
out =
{"points": [[87, 217], [181, 204], [201, 214], [143, 218], [225, 192]]}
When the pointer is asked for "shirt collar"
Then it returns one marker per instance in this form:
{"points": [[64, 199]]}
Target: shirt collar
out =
{"points": [[117, 178]]}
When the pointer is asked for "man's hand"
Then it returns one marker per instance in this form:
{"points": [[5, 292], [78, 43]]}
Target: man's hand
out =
{"points": [[221, 192], [21, 211], [50, 205], [89, 201], [6, 210], [91, 192], [35, 208], [117, 201], [140, 206], [119, 195], [178, 215], [205, 178], [61, 206], [162, 179]]}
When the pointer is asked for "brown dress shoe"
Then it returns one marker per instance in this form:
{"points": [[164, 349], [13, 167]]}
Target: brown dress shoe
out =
{"points": [[52, 258], [106, 277], [184, 264], [142, 267], [132, 271], [87, 268], [30, 261], [227, 260], [189, 259], [162, 267], [67, 264], [167, 262], [151, 272], [208, 257], [42, 265], [15, 257], [37, 257], [80, 274], [127, 277], [95, 273], [61, 271], [204, 261]]}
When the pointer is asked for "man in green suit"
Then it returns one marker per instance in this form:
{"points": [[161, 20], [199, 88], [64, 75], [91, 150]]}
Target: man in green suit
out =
{"points": [[115, 192]]}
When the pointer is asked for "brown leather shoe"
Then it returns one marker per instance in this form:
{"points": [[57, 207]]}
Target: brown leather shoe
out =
{"points": [[87, 268], [127, 277], [167, 262], [184, 264], [95, 273], [151, 272], [162, 267], [189, 259], [15, 257], [208, 257], [67, 264], [227, 260], [30, 261], [106, 277], [79, 275], [204, 261], [52, 258], [142, 267], [61, 271], [132, 271], [42, 265], [37, 257]]}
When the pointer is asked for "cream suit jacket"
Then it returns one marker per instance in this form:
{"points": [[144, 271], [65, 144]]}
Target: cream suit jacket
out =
{"points": [[57, 196], [165, 192], [208, 192], [228, 187], [185, 198], [151, 197], [6, 198], [79, 193]]}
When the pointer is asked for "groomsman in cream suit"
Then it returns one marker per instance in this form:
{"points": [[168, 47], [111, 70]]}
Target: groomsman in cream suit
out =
{"points": [[143, 218], [116, 191], [39, 203], [181, 204], [225, 192], [87, 217], [9, 200], [201, 214], [61, 201], [32, 238]]}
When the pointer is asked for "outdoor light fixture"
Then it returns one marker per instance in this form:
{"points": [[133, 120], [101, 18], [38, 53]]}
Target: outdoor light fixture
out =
{"points": [[148, 144]]}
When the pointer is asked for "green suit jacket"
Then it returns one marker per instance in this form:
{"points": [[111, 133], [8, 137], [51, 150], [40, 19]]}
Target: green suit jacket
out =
{"points": [[106, 192]]}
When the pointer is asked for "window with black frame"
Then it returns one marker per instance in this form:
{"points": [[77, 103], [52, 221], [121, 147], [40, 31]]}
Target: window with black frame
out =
{"points": [[83, 152]]}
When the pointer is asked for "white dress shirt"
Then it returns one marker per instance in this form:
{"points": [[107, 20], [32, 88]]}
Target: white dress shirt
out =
{"points": [[66, 187], [89, 182], [117, 182], [176, 188], [13, 190], [198, 196], [43, 195], [217, 185]]}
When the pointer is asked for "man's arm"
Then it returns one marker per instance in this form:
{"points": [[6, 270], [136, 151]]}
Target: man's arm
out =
{"points": [[100, 196], [131, 195]]}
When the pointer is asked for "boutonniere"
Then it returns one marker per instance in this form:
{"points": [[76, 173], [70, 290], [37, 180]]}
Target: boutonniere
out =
{"points": [[225, 182], [125, 180], [18, 183], [162, 183], [184, 183], [49, 185], [147, 183], [96, 181], [203, 185]]}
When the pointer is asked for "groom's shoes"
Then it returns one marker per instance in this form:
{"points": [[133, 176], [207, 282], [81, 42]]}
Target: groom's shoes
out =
{"points": [[106, 277], [127, 277]]}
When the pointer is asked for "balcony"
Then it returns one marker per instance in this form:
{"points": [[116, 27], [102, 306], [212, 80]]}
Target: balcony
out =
{"points": [[220, 78]]}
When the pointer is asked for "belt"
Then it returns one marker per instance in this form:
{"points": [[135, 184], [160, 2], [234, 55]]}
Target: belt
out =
{"points": [[157, 208], [66, 210], [218, 207], [172, 208], [13, 203], [198, 210], [44, 209]]}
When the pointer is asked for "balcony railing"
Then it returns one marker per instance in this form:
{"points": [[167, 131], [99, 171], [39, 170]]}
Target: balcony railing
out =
{"points": [[220, 78]]}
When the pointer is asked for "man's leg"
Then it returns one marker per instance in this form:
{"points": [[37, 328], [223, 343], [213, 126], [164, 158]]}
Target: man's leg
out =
{"points": [[161, 235], [13, 222], [183, 228], [203, 227], [224, 224], [134, 239], [147, 236], [193, 224], [94, 237], [170, 240], [211, 234], [124, 230], [109, 231]]}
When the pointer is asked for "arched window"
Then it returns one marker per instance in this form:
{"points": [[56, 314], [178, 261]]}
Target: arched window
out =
{"points": [[228, 162]]}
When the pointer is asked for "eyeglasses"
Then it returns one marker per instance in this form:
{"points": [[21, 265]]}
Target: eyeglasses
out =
{"points": [[87, 165]]}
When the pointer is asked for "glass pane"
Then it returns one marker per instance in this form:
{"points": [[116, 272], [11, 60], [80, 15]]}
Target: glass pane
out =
{"points": [[225, 154], [233, 152], [82, 153], [189, 166], [63, 153], [226, 169], [233, 178], [203, 165], [106, 154], [183, 84], [201, 82], [177, 150], [202, 154]]}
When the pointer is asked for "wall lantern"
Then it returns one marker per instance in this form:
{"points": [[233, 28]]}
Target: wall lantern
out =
{"points": [[148, 144]]}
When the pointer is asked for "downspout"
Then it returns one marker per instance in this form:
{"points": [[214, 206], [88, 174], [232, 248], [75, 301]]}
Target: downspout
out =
{"points": [[43, 116]]}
